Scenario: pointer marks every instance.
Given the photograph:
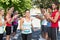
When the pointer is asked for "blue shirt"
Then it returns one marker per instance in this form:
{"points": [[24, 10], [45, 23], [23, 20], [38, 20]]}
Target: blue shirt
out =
{"points": [[49, 24]]}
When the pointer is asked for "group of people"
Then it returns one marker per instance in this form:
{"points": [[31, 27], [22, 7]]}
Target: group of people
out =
{"points": [[11, 19], [49, 23]]}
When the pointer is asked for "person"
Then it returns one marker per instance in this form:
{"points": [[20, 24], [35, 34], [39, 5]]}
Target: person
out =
{"points": [[9, 21], [2, 23], [43, 24], [26, 26], [15, 23], [54, 20], [49, 11]]}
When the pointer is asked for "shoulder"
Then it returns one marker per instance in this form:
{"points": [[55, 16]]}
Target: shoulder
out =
{"points": [[22, 19], [57, 13]]}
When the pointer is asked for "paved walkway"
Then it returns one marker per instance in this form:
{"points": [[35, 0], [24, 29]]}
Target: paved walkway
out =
{"points": [[35, 36]]}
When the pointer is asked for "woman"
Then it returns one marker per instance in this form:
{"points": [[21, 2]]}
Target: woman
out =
{"points": [[26, 26], [49, 11], [15, 23], [2, 23], [43, 24], [54, 20], [9, 22]]}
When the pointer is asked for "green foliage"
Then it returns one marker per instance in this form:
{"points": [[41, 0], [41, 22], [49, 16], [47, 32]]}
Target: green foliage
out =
{"points": [[44, 3], [20, 5]]}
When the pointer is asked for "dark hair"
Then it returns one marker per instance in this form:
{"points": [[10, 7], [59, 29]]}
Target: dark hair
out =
{"points": [[57, 4], [8, 8], [1, 9], [27, 10]]}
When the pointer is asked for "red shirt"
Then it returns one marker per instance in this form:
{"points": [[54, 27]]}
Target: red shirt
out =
{"points": [[59, 17], [8, 24], [54, 25]]}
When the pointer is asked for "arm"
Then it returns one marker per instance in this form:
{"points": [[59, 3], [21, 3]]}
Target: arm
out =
{"points": [[21, 23], [55, 18], [1, 23], [32, 26], [4, 23], [16, 16], [8, 19], [41, 18]]}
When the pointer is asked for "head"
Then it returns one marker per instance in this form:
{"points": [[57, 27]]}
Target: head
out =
{"points": [[27, 13], [10, 10], [16, 12], [49, 10], [1, 12], [42, 10], [54, 5]]}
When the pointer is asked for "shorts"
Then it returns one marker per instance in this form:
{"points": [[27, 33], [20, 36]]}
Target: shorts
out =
{"points": [[8, 30], [54, 34], [44, 28], [1, 36], [49, 31], [15, 28], [26, 36]]}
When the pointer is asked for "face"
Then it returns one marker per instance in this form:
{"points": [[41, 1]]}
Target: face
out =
{"points": [[49, 10], [27, 14], [2, 12], [54, 6], [16, 12], [11, 10], [43, 11]]}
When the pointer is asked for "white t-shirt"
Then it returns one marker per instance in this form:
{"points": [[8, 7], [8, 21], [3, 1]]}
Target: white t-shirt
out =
{"points": [[2, 27], [44, 22], [27, 26]]}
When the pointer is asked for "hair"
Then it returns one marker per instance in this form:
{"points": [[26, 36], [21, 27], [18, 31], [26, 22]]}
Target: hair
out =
{"points": [[1, 10], [8, 8], [57, 4]]}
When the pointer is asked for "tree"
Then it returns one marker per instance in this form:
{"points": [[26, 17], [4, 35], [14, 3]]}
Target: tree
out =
{"points": [[20, 5], [44, 3]]}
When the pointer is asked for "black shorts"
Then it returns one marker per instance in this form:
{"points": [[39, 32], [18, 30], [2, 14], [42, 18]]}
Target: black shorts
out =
{"points": [[54, 34], [49, 31], [1, 36], [15, 28], [44, 28], [8, 30], [26, 36]]}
